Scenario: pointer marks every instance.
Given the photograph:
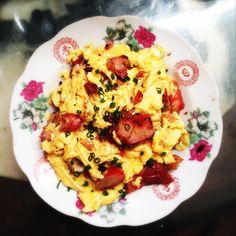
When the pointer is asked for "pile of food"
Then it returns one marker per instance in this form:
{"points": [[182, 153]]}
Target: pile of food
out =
{"points": [[115, 123]]}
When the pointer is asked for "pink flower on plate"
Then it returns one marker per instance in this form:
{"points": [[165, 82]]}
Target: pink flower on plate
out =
{"points": [[34, 126], [79, 204], [32, 90], [200, 150], [144, 37]]}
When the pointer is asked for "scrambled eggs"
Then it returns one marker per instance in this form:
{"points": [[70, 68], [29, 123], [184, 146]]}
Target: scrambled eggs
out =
{"points": [[81, 141]]}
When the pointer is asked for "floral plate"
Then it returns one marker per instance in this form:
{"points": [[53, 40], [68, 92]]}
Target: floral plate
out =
{"points": [[201, 116]]}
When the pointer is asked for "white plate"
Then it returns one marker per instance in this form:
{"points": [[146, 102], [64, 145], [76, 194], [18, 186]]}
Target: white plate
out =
{"points": [[201, 116]]}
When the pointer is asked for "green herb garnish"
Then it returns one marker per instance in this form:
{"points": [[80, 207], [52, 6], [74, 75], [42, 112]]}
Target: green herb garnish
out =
{"points": [[91, 156], [112, 104], [105, 193], [158, 90], [85, 183], [97, 160], [122, 193], [86, 168], [135, 80], [150, 162], [76, 173]]}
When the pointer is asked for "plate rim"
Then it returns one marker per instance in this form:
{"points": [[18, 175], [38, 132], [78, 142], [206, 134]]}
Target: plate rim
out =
{"points": [[193, 51]]}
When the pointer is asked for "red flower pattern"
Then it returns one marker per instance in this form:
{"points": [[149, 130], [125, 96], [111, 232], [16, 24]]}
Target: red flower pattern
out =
{"points": [[200, 150], [32, 90], [144, 37]]}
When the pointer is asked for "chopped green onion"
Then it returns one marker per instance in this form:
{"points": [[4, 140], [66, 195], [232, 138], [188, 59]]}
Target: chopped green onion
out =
{"points": [[91, 127], [112, 104], [163, 108], [59, 184], [135, 80], [114, 161], [105, 193], [91, 156], [97, 71], [101, 81], [102, 100], [86, 168], [107, 113], [122, 193], [116, 114], [113, 97], [102, 168], [126, 79], [158, 72], [85, 183], [79, 112], [141, 153], [72, 162], [76, 173], [95, 108], [150, 162], [97, 160], [127, 127], [163, 154], [119, 164], [112, 76], [100, 91], [159, 90]]}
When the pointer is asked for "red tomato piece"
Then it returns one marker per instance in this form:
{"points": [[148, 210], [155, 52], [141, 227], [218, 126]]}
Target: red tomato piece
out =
{"points": [[45, 135], [69, 122], [176, 101], [118, 65], [91, 88], [112, 177], [174, 166], [138, 97], [173, 102], [156, 174], [129, 187], [109, 44], [78, 60], [140, 74]]}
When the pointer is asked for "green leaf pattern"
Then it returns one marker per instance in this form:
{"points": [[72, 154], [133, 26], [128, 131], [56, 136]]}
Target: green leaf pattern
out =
{"points": [[110, 212], [31, 114], [200, 127]]}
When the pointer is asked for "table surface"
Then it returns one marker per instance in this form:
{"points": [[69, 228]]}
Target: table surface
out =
{"points": [[207, 25]]}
